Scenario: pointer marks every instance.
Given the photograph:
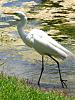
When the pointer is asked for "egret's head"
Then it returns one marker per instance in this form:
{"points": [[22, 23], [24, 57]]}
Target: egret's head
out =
{"points": [[21, 17]]}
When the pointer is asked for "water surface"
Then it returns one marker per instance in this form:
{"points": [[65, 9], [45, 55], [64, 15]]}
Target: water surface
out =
{"points": [[18, 3]]}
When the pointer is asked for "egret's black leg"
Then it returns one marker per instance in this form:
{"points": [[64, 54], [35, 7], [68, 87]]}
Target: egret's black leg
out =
{"points": [[42, 69], [62, 81]]}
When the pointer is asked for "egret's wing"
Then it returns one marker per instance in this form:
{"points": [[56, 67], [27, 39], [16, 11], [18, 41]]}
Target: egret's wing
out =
{"points": [[44, 46], [50, 40], [57, 45], [38, 32]]}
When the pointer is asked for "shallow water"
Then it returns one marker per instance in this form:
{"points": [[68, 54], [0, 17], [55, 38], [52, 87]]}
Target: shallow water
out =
{"points": [[16, 62], [18, 3]]}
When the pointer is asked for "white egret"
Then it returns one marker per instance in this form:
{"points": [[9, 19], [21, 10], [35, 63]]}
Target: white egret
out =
{"points": [[41, 42]]}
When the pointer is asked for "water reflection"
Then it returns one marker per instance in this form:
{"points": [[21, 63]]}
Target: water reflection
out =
{"points": [[18, 3], [14, 3]]}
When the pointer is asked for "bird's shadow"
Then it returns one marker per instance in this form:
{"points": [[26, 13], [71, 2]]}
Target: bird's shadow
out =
{"points": [[50, 86], [55, 88]]}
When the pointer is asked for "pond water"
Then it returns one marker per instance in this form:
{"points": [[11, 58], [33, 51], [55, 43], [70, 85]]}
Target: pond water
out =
{"points": [[18, 3], [24, 62]]}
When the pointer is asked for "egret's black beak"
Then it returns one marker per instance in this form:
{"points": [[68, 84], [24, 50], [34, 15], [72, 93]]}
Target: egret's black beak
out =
{"points": [[10, 13]]}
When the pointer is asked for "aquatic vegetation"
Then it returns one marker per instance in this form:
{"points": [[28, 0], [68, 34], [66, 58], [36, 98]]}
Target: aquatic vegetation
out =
{"points": [[67, 29]]}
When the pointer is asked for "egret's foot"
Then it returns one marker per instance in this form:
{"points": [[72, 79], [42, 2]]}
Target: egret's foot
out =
{"points": [[63, 82], [38, 83]]}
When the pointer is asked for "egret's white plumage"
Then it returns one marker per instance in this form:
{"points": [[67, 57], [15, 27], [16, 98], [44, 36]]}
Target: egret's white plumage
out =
{"points": [[44, 44], [41, 42]]}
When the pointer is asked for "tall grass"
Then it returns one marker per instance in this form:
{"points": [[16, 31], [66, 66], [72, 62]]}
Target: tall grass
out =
{"points": [[12, 88]]}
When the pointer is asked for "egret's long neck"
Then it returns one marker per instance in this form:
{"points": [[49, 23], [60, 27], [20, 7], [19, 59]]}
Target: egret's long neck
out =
{"points": [[21, 26], [22, 33]]}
